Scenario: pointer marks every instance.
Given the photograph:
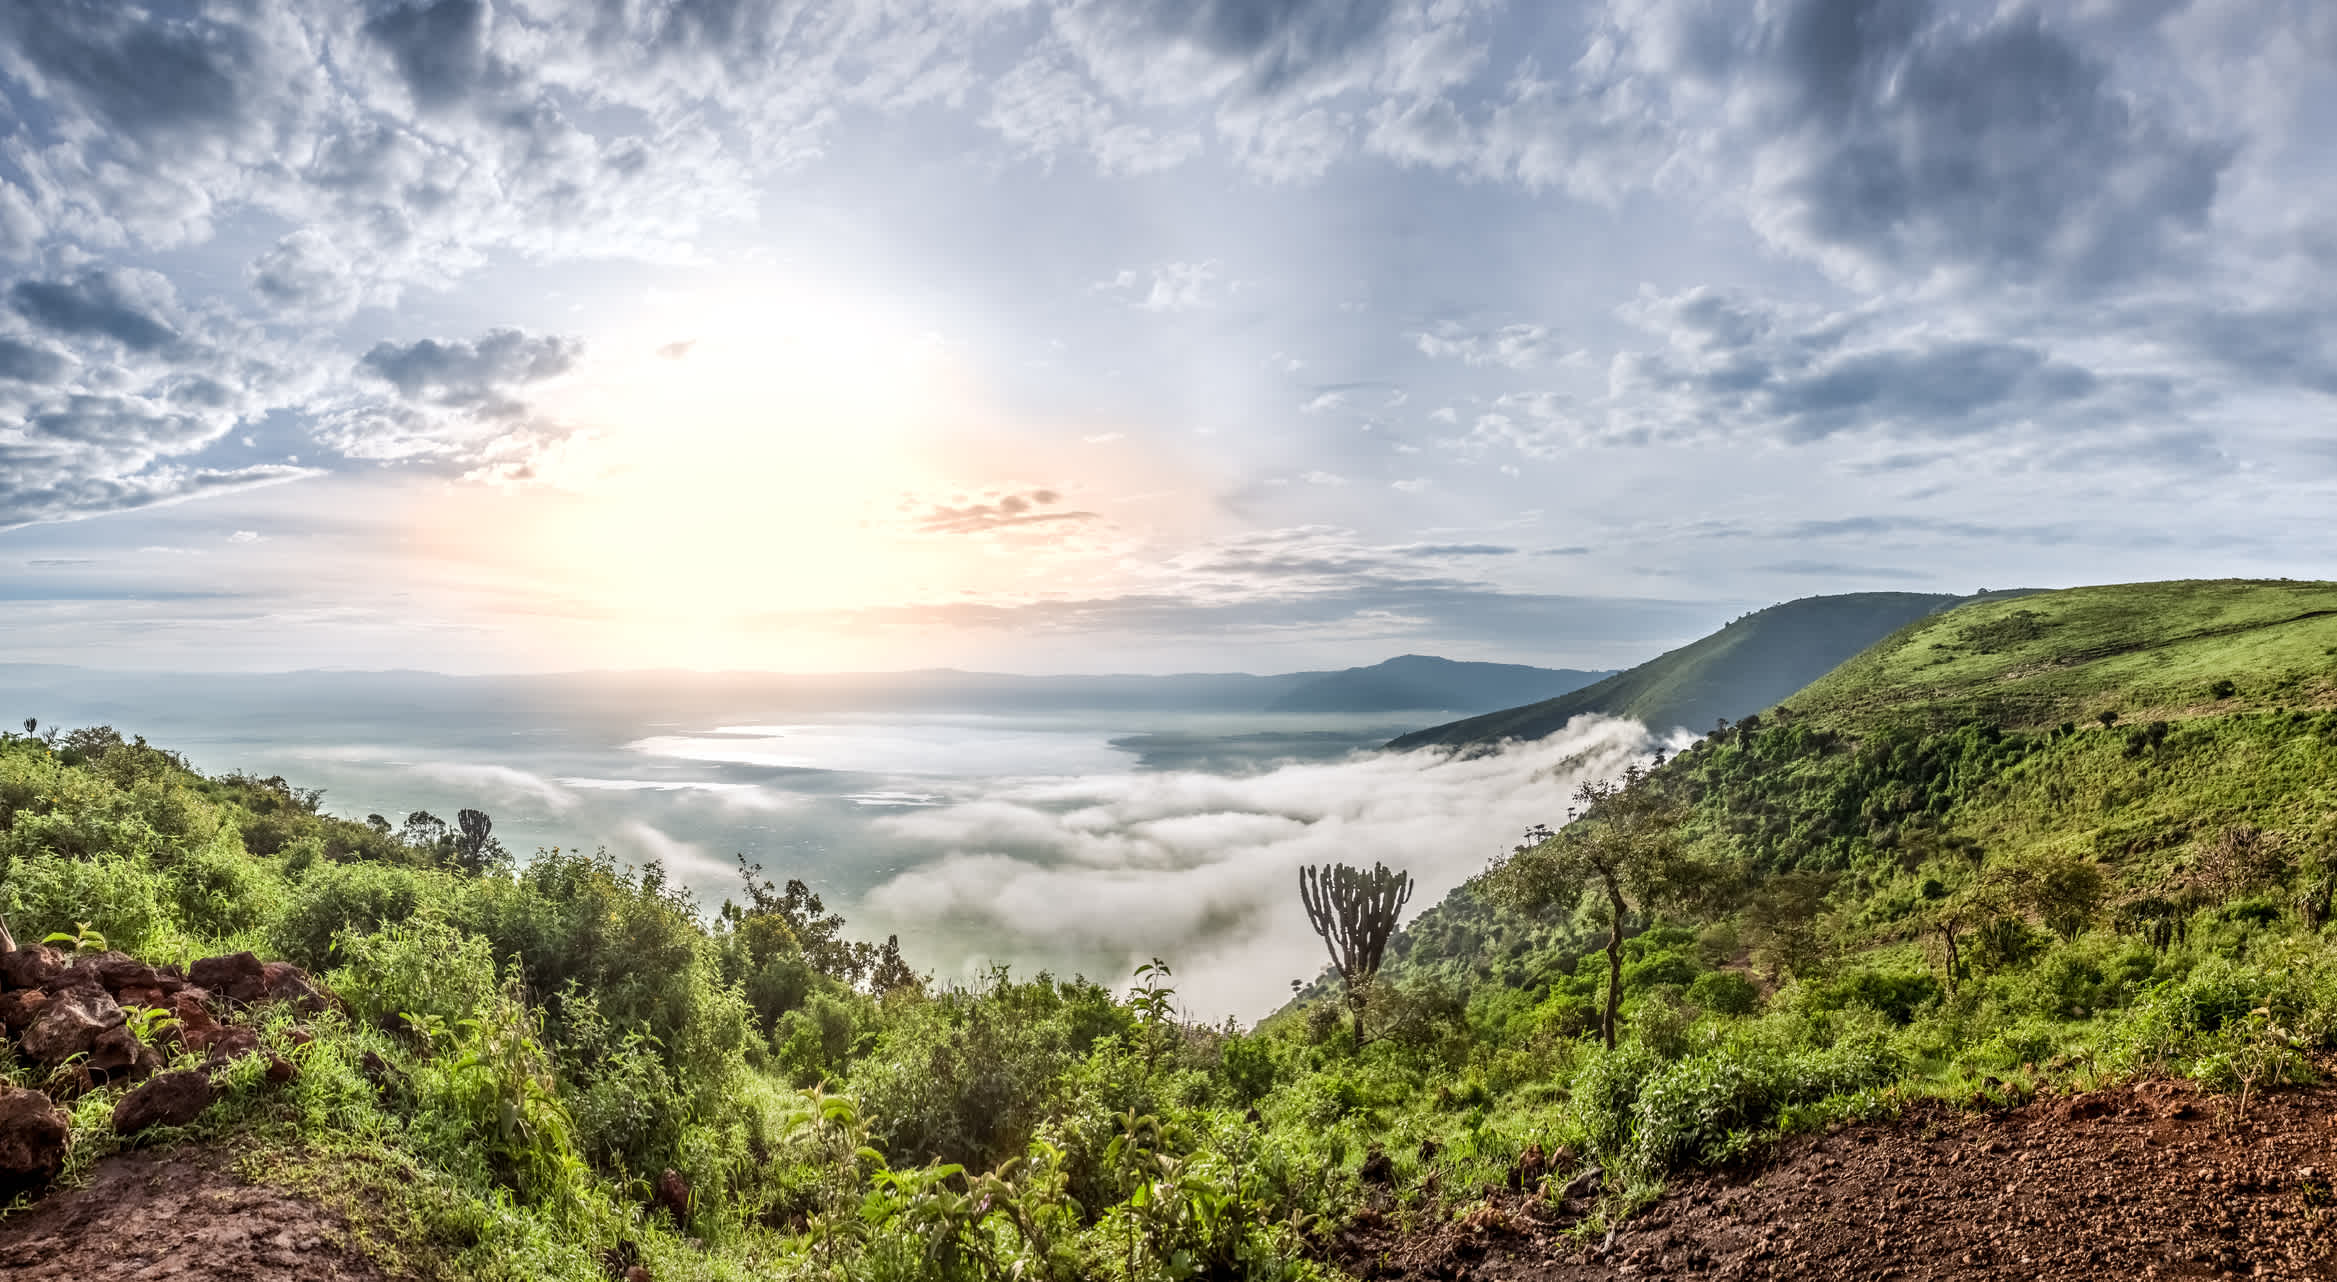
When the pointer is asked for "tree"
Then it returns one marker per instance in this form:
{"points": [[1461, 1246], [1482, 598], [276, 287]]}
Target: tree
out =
{"points": [[1627, 845], [1355, 912], [475, 847]]}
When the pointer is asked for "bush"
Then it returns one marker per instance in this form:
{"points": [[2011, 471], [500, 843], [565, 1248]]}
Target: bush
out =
{"points": [[1724, 992], [335, 899], [219, 890], [120, 896]]}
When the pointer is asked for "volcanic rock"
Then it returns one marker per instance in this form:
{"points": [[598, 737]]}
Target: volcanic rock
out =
{"points": [[69, 1024], [238, 977], [32, 1140], [30, 966], [170, 1099]]}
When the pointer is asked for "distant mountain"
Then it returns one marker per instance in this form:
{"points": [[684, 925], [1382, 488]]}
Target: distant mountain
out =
{"points": [[1749, 665], [1416, 681], [623, 704]]}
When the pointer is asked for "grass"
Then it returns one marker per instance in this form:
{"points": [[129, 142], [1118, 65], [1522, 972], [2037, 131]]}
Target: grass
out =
{"points": [[2146, 652]]}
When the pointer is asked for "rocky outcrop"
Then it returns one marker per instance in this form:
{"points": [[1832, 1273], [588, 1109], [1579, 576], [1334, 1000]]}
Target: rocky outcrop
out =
{"points": [[33, 1132], [96, 1021]]}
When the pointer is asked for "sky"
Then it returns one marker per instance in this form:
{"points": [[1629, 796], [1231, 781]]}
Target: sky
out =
{"points": [[1104, 335]]}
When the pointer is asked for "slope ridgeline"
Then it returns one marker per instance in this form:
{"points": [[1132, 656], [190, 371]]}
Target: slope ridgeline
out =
{"points": [[1749, 665]]}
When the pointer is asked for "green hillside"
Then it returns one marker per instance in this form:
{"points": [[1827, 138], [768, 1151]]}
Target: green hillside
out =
{"points": [[2144, 651], [1746, 666], [1929, 876]]}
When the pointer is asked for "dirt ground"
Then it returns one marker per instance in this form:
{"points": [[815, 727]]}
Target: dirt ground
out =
{"points": [[177, 1216], [2152, 1181]]}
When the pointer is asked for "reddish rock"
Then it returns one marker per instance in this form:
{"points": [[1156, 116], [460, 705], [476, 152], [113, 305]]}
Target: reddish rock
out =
{"points": [[673, 1193], [69, 1024], [168, 1099], [141, 997], [238, 977], [30, 966], [636, 1274], [224, 1042], [286, 982], [32, 1140], [281, 1070], [19, 1009], [118, 971], [116, 1056]]}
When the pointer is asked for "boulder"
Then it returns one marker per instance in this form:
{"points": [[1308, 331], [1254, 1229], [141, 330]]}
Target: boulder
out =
{"points": [[118, 971], [285, 982], [32, 1140], [30, 966], [69, 1024], [192, 1010], [223, 1042], [116, 1056], [19, 1009], [238, 977], [167, 1099]]}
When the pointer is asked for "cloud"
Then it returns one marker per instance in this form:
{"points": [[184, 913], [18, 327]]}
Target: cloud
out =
{"points": [[1735, 364], [998, 512], [1100, 873], [1171, 287], [470, 375], [1517, 347]]}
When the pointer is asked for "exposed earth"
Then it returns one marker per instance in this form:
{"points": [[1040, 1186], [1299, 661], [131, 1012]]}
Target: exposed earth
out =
{"points": [[2153, 1180], [177, 1216]]}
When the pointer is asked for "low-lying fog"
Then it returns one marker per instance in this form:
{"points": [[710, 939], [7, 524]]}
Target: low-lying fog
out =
{"points": [[1078, 841]]}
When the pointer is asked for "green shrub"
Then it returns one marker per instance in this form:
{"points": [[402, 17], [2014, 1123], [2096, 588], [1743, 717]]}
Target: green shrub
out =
{"points": [[1724, 992], [218, 890], [335, 899], [120, 897]]}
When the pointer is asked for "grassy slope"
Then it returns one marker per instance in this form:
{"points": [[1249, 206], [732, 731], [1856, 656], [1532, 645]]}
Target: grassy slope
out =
{"points": [[1869, 750], [2145, 651], [1744, 667]]}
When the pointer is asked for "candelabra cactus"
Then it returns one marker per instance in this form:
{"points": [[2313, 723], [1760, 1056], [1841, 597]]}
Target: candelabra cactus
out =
{"points": [[1355, 913]]}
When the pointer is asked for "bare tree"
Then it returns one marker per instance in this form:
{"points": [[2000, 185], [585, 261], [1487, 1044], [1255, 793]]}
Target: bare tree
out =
{"points": [[1355, 913]]}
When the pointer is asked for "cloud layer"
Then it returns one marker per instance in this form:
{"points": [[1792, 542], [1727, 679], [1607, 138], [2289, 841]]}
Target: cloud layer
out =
{"points": [[1104, 872]]}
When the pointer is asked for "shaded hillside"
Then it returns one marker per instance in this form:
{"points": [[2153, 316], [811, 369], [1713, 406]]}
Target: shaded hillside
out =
{"points": [[1418, 681], [1745, 667]]}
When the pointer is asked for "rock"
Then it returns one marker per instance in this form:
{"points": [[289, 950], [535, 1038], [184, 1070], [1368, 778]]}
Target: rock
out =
{"points": [[19, 1009], [117, 972], [673, 1193], [636, 1274], [169, 1099], [238, 977], [69, 1024], [1377, 1168], [30, 966], [1529, 1168], [286, 982], [135, 996], [33, 1132], [1584, 1185], [116, 1056], [281, 1070], [224, 1042]]}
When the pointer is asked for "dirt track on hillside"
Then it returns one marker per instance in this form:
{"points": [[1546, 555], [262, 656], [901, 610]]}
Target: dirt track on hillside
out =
{"points": [[2146, 1181], [177, 1216]]}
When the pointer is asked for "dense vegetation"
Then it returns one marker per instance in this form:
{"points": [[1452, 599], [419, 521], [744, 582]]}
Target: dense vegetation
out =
{"points": [[1874, 893]]}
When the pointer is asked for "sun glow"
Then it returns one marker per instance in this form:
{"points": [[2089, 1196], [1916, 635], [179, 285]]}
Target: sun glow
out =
{"points": [[751, 460]]}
